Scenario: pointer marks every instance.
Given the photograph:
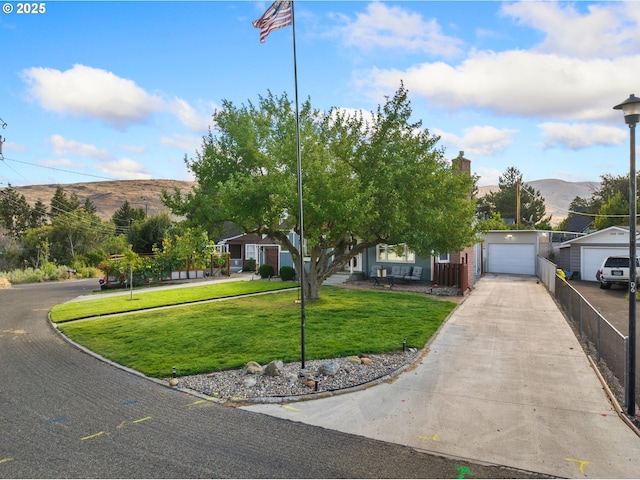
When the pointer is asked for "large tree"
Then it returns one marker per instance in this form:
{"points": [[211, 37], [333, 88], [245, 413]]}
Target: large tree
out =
{"points": [[366, 181], [504, 201]]}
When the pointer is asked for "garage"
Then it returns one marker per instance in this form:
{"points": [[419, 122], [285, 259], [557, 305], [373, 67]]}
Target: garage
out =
{"points": [[592, 258], [512, 258]]}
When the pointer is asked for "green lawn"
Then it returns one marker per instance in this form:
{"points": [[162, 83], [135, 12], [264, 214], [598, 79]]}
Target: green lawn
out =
{"points": [[227, 334], [143, 299]]}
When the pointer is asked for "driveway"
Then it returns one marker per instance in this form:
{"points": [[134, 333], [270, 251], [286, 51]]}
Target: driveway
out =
{"points": [[613, 304], [65, 414]]}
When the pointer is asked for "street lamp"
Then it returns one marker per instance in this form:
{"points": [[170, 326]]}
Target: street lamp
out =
{"points": [[631, 111]]}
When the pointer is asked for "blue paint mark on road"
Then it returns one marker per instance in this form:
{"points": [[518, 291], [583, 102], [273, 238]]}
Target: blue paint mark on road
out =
{"points": [[126, 404], [56, 420]]}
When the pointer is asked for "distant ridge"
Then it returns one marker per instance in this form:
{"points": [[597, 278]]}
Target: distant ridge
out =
{"points": [[108, 196], [558, 194]]}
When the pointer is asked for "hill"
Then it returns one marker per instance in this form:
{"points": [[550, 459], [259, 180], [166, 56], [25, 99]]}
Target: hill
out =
{"points": [[109, 196], [558, 194]]}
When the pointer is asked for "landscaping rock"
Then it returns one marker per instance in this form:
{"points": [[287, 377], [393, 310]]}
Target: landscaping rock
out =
{"points": [[329, 368], [249, 382], [274, 368], [253, 367], [365, 361], [355, 360]]}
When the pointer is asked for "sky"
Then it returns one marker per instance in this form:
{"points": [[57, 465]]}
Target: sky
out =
{"points": [[106, 90]]}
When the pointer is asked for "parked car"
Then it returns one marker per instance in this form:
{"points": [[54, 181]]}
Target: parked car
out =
{"points": [[615, 269]]}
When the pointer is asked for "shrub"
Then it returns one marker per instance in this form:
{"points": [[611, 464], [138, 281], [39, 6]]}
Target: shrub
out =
{"points": [[266, 271], [250, 265], [287, 273]]}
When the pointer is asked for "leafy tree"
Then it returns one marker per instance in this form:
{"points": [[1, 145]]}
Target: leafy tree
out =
{"points": [[14, 212], [504, 201], [364, 182], [76, 233], [151, 231]]}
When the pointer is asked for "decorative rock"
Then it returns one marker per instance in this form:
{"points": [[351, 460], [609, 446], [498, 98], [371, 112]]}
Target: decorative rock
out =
{"points": [[274, 368], [355, 360], [290, 377], [365, 361], [310, 383], [173, 382], [329, 368], [363, 355], [253, 367], [250, 382]]}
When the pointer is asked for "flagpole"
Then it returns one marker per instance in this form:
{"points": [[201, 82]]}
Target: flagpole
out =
{"points": [[300, 216]]}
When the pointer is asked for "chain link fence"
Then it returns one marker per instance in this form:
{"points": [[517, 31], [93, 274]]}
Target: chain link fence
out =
{"points": [[608, 346]]}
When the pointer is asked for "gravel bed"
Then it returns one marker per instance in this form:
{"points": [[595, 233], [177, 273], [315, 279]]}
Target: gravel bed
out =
{"points": [[238, 385]]}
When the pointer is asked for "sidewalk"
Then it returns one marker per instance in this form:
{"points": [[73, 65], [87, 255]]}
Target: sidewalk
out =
{"points": [[504, 382]]}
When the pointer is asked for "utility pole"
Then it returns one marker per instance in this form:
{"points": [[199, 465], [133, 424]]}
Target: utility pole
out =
{"points": [[518, 203]]}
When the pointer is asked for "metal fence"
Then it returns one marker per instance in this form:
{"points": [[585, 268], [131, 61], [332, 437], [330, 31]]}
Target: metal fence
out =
{"points": [[610, 346]]}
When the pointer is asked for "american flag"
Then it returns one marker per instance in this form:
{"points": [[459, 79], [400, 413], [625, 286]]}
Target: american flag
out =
{"points": [[278, 15]]}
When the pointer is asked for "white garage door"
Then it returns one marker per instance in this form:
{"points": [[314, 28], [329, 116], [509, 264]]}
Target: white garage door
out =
{"points": [[512, 258], [592, 257]]}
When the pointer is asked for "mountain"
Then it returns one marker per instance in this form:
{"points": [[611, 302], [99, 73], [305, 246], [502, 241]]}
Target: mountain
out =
{"points": [[558, 194], [109, 196]]}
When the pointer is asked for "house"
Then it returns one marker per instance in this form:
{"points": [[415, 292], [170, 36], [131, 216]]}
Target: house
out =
{"points": [[585, 254]]}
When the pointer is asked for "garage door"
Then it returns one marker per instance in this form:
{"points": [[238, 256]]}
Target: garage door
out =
{"points": [[592, 257], [518, 258]]}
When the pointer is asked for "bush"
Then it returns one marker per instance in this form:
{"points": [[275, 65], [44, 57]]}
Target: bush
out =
{"points": [[250, 265], [287, 273], [266, 271]]}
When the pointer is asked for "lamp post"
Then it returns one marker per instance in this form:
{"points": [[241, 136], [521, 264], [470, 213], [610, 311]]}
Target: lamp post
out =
{"points": [[631, 111]]}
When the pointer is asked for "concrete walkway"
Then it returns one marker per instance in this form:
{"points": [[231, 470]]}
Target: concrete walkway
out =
{"points": [[505, 382]]}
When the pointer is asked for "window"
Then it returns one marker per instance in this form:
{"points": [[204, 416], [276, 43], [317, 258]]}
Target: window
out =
{"points": [[394, 253], [443, 258]]}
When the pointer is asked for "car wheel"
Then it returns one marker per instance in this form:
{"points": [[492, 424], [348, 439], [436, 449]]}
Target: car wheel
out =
{"points": [[605, 285]]}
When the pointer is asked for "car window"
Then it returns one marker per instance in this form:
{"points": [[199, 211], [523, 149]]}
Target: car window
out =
{"points": [[617, 262]]}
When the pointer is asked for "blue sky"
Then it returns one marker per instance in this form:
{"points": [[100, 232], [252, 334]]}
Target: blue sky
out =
{"points": [[93, 91]]}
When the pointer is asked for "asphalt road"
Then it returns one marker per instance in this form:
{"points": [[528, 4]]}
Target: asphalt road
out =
{"points": [[65, 414]]}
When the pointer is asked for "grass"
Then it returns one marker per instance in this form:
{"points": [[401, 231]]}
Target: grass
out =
{"points": [[223, 335], [141, 300]]}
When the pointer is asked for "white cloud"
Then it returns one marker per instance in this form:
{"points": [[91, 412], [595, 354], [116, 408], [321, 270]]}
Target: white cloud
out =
{"points": [[519, 83], [91, 92], [87, 92], [488, 176], [125, 169], [62, 146], [478, 140], [580, 135], [61, 162], [604, 30], [189, 117], [388, 27], [186, 143]]}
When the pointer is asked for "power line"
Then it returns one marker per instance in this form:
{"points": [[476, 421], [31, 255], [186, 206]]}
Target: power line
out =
{"points": [[58, 169]]}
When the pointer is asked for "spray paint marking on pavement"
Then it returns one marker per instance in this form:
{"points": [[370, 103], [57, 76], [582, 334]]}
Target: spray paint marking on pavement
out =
{"points": [[581, 462], [462, 471], [434, 437], [142, 420], [130, 402], [289, 407], [88, 437], [56, 420], [5, 460]]}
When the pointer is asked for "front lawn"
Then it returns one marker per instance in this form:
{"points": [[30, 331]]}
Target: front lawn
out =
{"points": [[143, 299], [227, 334]]}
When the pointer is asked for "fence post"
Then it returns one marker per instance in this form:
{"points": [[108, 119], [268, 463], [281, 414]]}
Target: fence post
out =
{"points": [[626, 370], [599, 334]]}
